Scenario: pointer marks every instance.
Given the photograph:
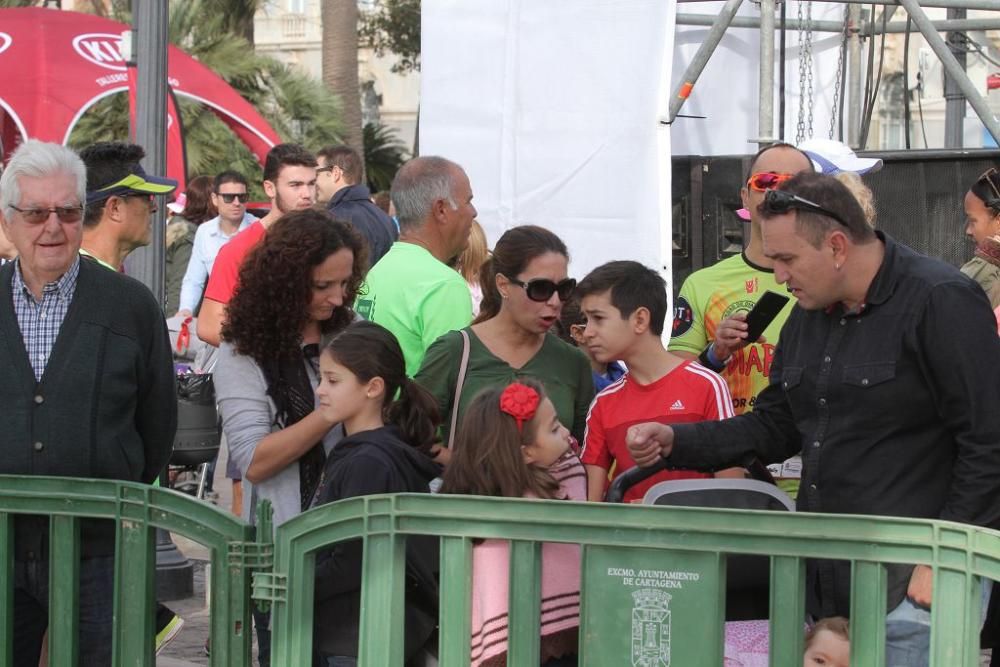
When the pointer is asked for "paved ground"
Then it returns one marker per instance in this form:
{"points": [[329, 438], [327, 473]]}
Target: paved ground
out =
{"points": [[188, 647]]}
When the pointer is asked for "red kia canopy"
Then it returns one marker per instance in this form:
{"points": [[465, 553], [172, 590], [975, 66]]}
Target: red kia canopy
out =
{"points": [[55, 64]]}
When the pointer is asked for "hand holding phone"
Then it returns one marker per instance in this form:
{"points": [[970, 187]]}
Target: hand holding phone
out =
{"points": [[758, 319]]}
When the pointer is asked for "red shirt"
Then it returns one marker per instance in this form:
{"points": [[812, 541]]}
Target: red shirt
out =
{"points": [[689, 393], [226, 270]]}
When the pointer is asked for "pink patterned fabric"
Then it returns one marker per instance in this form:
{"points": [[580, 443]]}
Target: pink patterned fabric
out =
{"points": [[560, 580], [746, 644]]}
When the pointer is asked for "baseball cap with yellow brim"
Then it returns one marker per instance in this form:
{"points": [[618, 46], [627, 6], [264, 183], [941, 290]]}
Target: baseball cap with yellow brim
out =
{"points": [[137, 182]]}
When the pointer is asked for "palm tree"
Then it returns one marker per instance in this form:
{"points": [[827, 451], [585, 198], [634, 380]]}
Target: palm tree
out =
{"points": [[299, 108], [340, 63], [384, 155]]}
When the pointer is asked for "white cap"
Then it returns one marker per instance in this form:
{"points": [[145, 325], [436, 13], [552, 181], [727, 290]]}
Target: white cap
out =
{"points": [[177, 206], [832, 157]]}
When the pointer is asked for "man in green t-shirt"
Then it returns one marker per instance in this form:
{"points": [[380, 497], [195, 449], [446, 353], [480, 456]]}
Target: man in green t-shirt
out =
{"points": [[412, 291], [711, 309]]}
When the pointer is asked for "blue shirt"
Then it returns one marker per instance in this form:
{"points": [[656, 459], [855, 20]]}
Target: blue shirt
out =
{"points": [[40, 321], [208, 240]]}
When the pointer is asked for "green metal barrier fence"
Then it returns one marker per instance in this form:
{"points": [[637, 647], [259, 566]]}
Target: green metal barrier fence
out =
{"points": [[652, 577], [138, 510], [632, 556]]}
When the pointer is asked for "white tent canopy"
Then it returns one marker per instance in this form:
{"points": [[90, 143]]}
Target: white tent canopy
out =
{"points": [[554, 110]]}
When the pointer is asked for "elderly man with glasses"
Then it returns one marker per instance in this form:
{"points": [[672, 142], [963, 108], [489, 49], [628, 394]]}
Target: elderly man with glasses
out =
{"points": [[88, 390], [884, 380]]}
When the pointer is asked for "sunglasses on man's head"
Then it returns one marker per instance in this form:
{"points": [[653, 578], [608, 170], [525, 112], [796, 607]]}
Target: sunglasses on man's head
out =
{"points": [[542, 289], [229, 197], [37, 216], [782, 201], [767, 180]]}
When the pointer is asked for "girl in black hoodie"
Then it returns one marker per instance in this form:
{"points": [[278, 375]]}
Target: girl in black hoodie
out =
{"points": [[390, 423]]}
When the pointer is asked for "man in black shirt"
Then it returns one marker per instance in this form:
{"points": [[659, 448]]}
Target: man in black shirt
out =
{"points": [[886, 378], [340, 183]]}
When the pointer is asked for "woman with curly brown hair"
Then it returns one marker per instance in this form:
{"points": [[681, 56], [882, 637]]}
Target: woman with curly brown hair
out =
{"points": [[295, 287]]}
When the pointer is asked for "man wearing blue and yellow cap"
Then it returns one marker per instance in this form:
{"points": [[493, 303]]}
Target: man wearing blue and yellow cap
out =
{"points": [[120, 201], [118, 219]]}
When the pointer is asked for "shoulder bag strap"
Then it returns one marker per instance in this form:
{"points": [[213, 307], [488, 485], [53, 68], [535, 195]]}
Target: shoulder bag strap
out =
{"points": [[462, 368]]}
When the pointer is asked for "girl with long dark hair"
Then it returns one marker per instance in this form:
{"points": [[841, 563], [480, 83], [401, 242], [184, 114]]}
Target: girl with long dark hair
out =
{"points": [[389, 424]]}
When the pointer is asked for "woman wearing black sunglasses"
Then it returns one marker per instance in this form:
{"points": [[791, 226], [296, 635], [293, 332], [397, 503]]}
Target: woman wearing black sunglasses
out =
{"points": [[525, 284], [982, 216]]}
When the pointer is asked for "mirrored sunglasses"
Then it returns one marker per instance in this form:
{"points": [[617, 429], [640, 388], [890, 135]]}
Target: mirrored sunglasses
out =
{"points": [[37, 216], [542, 289], [767, 180], [782, 201]]}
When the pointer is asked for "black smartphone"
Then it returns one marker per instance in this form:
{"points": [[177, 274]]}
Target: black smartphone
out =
{"points": [[763, 314]]}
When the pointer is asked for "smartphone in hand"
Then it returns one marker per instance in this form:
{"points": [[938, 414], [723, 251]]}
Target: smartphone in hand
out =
{"points": [[763, 314]]}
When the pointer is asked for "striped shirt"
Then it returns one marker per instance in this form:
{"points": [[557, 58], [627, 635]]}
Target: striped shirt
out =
{"points": [[40, 321]]}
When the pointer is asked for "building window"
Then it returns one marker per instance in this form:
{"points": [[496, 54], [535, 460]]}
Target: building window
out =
{"points": [[296, 6]]}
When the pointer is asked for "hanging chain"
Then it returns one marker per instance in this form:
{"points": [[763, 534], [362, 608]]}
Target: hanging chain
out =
{"points": [[840, 75], [804, 127]]}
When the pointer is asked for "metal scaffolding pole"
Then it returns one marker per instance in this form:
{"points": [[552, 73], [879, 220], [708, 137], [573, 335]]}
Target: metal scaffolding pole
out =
{"points": [[866, 29], [954, 100], [719, 25], [960, 4], [765, 111], [952, 67], [854, 78]]}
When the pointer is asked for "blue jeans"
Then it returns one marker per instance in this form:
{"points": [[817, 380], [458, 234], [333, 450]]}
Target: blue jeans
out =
{"points": [[908, 632], [31, 610]]}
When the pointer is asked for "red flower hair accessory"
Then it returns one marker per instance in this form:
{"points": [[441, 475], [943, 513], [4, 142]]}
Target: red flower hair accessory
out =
{"points": [[520, 402]]}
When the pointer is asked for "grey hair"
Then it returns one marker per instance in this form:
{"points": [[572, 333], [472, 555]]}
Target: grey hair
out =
{"points": [[418, 184], [36, 159]]}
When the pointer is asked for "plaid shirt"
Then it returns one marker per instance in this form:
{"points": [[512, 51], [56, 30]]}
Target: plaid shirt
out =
{"points": [[40, 320]]}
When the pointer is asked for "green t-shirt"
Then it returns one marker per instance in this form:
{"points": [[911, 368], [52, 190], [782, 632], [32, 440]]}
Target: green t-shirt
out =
{"points": [[561, 368], [416, 297], [713, 294]]}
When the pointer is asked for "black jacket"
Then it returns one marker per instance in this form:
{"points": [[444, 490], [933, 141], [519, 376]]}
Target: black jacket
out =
{"points": [[368, 463], [353, 204], [105, 407], [894, 410]]}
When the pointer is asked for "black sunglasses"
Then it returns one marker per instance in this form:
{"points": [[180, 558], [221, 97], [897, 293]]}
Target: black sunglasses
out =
{"points": [[228, 197], [782, 201], [542, 289]]}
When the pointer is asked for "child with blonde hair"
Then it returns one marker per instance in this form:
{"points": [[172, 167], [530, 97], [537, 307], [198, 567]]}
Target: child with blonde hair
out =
{"points": [[828, 644]]}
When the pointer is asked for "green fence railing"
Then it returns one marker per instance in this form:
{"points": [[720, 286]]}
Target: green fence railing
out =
{"points": [[138, 511], [652, 577]]}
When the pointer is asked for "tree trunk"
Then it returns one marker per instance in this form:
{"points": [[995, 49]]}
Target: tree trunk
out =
{"points": [[340, 64]]}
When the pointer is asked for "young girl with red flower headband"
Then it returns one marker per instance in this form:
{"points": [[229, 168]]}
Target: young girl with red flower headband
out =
{"points": [[507, 442]]}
